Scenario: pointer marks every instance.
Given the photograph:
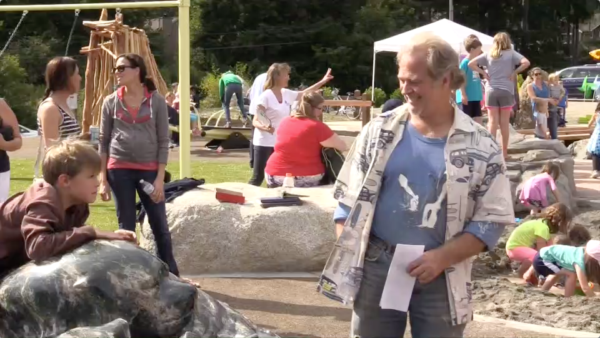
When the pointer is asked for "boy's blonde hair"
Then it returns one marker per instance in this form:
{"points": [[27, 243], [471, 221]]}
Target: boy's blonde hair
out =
{"points": [[69, 157], [554, 78]]}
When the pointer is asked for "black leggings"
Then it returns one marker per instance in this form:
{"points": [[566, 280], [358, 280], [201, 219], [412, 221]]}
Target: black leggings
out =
{"points": [[596, 162], [261, 156]]}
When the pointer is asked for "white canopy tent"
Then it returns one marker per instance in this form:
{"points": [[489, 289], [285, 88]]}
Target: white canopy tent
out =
{"points": [[450, 31]]}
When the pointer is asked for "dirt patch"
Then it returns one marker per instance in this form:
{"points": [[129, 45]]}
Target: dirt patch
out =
{"points": [[496, 296]]}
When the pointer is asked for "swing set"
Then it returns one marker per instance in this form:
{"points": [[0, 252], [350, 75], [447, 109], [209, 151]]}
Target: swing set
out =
{"points": [[184, 52]]}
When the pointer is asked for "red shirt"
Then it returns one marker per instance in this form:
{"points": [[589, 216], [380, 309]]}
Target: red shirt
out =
{"points": [[298, 148]]}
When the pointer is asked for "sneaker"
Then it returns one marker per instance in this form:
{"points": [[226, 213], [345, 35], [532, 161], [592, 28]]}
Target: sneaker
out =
{"points": [[228, 125], [595, 174], [245, 122]]}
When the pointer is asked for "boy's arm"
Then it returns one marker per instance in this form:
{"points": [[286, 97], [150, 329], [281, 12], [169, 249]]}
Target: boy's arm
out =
{"points": [[42, 241]]}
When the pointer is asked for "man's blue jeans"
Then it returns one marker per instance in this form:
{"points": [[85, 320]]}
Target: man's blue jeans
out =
{"points": [[429, 307]]}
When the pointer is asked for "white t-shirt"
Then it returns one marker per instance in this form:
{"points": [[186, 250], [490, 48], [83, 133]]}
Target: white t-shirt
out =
{"points": [[276, 112], [255, 91]]}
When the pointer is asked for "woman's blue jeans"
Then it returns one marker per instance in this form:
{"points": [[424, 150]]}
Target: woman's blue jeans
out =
{"points": [[124, 184]]}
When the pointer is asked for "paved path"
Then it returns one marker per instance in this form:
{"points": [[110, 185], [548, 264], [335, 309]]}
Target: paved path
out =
{"points": [[292, 308], [587, 188]]}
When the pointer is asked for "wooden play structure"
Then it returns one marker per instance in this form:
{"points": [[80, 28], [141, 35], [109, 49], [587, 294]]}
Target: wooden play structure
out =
{"points": [[108, 40]]}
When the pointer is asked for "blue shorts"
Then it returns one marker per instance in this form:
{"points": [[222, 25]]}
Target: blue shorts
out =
{"points": [[193, 117]]}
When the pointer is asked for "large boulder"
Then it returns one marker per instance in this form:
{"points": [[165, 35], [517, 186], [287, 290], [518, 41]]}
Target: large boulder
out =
{"points": [[103, 282], [526, 158], [212, 237], [118, 328], [578, 149]]}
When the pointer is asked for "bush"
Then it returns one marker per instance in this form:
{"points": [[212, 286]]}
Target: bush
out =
{"points": [[397, 94], [210, 87], [380, 96], [22, 97], [327, 92]]}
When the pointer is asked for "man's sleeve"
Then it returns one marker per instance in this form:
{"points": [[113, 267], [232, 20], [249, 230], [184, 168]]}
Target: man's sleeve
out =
{"points": [[341, 213], [493, 203], [106, 127], [487, 232], [42, 241]]}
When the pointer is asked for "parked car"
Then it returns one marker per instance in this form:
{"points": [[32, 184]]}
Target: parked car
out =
{"points": [[573, 77], [27, 133]]}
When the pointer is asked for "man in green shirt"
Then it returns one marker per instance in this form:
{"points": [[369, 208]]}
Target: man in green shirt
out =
{"points": [[230, 84]]}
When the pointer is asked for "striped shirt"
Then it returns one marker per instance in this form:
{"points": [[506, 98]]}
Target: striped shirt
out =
{"points": [[68, 126]]}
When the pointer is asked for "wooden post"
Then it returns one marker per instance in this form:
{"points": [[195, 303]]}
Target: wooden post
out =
{"points": [[88, 116], [366, 111]]}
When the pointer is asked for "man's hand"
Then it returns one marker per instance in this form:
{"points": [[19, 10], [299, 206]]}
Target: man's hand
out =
{"points": [[159, 190], [465, 99], [119, 235], [429, 266], [270, 130]]}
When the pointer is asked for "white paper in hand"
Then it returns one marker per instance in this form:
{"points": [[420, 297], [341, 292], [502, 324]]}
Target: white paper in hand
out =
{"points": [[399, 284]]}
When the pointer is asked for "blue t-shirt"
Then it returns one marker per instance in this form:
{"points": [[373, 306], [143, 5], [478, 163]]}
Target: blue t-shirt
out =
{"points": [[564, 255], [402, 203], [472, 84]]}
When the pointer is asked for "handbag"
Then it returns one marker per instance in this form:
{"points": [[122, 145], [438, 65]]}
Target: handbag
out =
{"points": [[333, 161]]}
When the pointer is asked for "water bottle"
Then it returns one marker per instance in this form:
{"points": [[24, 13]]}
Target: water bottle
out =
{"points": [[288, 183], [147, 187]]}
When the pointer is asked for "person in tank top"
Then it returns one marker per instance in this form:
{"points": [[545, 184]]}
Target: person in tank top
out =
{"points": [[54, 118]]}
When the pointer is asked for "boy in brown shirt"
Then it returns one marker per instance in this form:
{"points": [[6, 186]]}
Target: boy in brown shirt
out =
{"points": [[48, 219]]}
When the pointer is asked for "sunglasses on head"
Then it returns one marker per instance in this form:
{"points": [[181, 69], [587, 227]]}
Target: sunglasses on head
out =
{"points": [[121, 69]]}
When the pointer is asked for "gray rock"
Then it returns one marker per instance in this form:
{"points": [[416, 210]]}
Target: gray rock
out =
{"points": [[540, 155], [295, 238], [101, 282], [118, 328], [537, 144], [528, 156], [513, 175], [578, 149]]}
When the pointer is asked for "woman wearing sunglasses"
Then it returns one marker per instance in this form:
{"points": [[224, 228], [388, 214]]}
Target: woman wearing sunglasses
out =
{"points": [[539, 94], [134, 146], [501, 76]]}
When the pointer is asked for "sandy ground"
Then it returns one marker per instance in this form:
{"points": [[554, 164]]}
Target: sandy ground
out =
{"points": [[496, 293], [293, 308]]}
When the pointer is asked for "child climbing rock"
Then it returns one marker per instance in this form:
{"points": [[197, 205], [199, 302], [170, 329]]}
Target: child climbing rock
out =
{"points": [[533, 193]]}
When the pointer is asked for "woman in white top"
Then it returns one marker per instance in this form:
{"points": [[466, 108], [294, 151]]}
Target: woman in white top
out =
{"points": [[273, 105]]}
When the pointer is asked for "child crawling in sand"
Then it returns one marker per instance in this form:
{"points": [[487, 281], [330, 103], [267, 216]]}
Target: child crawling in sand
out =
{"points": [[534, 234], [575, 263]]}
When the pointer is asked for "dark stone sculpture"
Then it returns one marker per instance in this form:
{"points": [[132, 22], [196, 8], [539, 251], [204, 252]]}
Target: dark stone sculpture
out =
{"points": [[104, 281], [118, 328]]}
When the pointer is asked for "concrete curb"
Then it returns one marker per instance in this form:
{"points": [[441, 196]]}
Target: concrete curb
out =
{"points": [[258, 275], [536, 328]]}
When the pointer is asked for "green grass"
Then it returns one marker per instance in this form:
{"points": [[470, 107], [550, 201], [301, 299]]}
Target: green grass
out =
{"points": [[103, 214]]}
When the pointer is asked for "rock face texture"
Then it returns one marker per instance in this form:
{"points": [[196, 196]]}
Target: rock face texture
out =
{"points": [[526, 158], [278, 239], [111, 290], [579, 151]]}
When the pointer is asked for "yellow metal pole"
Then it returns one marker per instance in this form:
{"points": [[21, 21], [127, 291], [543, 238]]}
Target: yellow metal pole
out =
{"points": [[184, 89], [71, 7]]}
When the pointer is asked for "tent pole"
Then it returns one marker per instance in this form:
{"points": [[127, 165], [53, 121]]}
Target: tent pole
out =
{"points": [[373, 77]]}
